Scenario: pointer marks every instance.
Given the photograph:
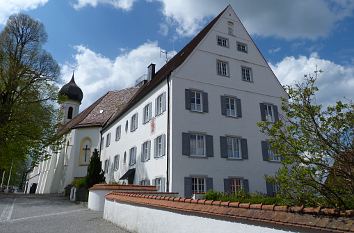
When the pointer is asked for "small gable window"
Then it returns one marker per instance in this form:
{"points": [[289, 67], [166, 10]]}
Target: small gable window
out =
{"points": [[230, 27], [70, 113]]}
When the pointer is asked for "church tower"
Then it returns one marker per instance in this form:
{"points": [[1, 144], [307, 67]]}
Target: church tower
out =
{"points": [[72, 96]]}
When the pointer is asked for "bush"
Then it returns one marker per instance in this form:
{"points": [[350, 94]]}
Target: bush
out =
{"points": [[79, 182]]}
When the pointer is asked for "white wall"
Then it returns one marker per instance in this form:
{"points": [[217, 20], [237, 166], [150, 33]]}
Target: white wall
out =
{"points": [[147, 220]]}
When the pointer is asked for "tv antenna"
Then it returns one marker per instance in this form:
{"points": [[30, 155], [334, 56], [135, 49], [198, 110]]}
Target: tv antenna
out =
{"points": [[165, 53]]}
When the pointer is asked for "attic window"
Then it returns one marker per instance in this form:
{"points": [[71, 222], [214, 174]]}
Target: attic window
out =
{"points": [[230, 27]]}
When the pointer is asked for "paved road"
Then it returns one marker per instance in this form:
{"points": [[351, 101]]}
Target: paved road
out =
{"points": [[49, 214]]}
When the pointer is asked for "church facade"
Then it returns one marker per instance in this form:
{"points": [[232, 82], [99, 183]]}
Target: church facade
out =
{"points": [[80, 135], [193, 125]]}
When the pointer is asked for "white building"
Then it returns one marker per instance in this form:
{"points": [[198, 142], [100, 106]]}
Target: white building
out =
{"points": [[80, 135], [192, 126]]}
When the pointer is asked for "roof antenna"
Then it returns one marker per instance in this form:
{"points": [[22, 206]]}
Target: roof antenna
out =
{"points": [[165, 53], [317, 71]]}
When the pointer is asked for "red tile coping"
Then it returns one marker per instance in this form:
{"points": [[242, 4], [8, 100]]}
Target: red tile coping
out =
{"points": [[124, 187], [325, 219]]}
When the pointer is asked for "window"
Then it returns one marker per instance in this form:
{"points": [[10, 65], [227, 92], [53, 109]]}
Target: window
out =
{"points": [[145, 151], [134, 122], [125, 157], [268, 153], [102, 142], [196, 101], [223, 68], [269, 112], [276, 188], [145, 182], [108, 139], [272, 156], [106, 166], [116, 163], [126, 126], [85, 152], [197, 144], [233, 147], [236, 185], [224, 42], [160, 104], [160, 146], [198, 185], [246, 74], [242, 47], [159, 185], [132, 156], [70, 113], [230, 27], [147, 113], [230, 106], [118, 133]]}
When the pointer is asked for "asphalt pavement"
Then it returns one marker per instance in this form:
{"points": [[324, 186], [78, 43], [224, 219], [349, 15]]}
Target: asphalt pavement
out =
{"points": [[49, 214]]}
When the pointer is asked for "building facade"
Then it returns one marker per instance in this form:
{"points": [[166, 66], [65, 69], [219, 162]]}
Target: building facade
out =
{"points": [[193, 125]]}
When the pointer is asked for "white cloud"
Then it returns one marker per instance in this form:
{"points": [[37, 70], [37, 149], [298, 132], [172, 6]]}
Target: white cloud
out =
{"points": [[97, 74], [119, 4], [274, 50], [279, 18], [9, 7], [336, 82]]}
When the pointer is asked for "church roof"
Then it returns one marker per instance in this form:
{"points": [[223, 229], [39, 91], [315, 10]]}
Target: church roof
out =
{"points": [[72, 91], [166, 70], [98, 113]]}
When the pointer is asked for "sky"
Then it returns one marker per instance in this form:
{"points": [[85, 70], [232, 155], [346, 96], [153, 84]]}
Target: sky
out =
{"points": [[110, 43]]}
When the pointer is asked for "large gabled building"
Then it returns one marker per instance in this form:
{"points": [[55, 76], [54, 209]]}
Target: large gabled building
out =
{"points": [[193, 125]]}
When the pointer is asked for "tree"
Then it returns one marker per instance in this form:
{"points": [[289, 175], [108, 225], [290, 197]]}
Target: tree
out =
{"points": [[95, 175], [316, 146], [27, 90]]}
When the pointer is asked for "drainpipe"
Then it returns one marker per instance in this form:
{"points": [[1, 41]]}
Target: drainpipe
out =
{"points": [[168, 136]]}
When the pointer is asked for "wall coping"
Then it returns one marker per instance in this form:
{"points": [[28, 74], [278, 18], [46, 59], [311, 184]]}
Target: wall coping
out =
{"points": [[124, 187], [324, 219]]}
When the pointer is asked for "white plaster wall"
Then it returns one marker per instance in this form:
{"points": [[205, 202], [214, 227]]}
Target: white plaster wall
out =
{"points": [[155, 167], [147, 220]]}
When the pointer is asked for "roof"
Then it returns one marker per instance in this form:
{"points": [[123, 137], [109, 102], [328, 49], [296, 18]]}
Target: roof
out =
{"points": [[166, 70], [98, 113], [72, 91]]}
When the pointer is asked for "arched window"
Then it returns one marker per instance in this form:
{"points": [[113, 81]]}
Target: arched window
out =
{"points": [[85, 151], [70, 113]]}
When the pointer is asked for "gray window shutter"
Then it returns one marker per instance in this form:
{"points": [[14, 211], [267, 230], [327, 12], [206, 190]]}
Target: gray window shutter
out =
{"points": [[149, 150], [238, 108], [164, 102], [244, 149], [223, 147], [185, 144], [188, 99], [141, 154], [187, 186], [163, 144], [265, 150], [205, 102], [246, 187], [223, 105], [276, 114], [269, 189], [209, 146], [263, 116], [155, 147], [227, 185], [209, 183]]}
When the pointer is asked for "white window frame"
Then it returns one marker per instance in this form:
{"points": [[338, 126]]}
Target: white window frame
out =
{"points": [[134, 122], [132, 156], [236, 184], [200, 149], [242, 47], [159, 104], [198, 185], [231, 101], [246, 73], [116, 163], [222, 68], [118, 132], [269, 112], [195, 107], [145, 150], [147, 113], [272, 156], [234, 143], [160, 146], [222, 41], [108, 139]]}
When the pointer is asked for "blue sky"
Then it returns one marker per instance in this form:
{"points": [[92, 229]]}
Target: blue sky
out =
{"points": [[109, 43]]}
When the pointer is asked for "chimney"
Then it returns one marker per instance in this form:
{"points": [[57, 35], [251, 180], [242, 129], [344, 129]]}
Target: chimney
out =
{"points": [[151, 72]]}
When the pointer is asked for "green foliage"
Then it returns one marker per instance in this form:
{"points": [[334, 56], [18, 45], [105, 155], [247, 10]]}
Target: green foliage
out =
{"points": [[79, 182], [27, 91], [316, 144], [95, 175]]}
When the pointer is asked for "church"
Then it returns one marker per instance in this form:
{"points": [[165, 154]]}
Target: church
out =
{"points": [[80, 135]]}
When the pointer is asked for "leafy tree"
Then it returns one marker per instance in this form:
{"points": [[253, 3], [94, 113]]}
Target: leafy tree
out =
{"points": [[95, 175], [27, 88], [316, 146]]}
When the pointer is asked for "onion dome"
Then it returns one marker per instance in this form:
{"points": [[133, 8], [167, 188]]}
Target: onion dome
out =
{"points": [[72, 91]]}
